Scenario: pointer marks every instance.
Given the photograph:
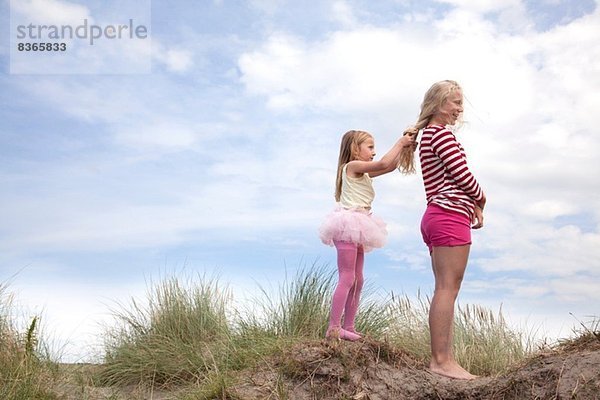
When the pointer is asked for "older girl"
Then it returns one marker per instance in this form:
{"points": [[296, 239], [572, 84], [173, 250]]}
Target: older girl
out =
{"points": [[455, 203]]}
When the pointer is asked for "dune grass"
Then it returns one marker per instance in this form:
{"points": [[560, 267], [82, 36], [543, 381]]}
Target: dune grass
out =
{"points": [[25, 368], [587, 333], [300, 308], [180, 335], [483, 342], [187, 334]]}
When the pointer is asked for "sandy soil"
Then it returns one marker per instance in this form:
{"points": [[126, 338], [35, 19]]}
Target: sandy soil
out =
{"points": [[372, 370]]}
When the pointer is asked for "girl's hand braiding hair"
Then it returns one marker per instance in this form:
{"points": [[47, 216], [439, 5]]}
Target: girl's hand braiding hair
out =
{"points": [[411, 134]]}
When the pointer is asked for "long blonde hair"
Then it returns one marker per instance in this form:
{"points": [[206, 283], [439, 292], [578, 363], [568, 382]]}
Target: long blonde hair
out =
{"points": [[349, 149], [434, 99]]}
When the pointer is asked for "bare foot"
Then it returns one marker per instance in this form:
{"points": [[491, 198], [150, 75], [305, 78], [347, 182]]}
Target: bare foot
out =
{"points": [[451, 370]]}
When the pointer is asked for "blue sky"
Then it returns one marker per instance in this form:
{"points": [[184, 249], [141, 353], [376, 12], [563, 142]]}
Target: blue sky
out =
{"points": [[221, 157]]}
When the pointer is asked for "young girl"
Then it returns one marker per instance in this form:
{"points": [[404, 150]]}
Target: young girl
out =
{"points": [[352, 228]]}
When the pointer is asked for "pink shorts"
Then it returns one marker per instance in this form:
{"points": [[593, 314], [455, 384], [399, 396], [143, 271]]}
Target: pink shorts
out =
{"points": [[441, 227]]}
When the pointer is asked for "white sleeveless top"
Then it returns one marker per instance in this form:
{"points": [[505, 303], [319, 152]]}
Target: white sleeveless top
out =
{"points": [[356, 192]]}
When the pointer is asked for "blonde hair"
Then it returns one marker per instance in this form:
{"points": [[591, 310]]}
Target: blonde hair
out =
{"points": [[349, 149], [433, 100]]}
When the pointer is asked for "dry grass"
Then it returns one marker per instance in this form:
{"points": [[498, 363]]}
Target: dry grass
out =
{"points": [[26, 371], [483, 342], [181, 335], [187, 334]]}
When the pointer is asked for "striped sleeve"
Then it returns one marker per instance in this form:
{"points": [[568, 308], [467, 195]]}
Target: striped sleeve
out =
{"points": [[445, 146]]}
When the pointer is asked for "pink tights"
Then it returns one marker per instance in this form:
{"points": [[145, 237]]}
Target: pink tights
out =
{"points": [[350, 258]]}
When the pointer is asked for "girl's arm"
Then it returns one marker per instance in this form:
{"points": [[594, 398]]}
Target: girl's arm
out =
{"points": [[388, 162]]}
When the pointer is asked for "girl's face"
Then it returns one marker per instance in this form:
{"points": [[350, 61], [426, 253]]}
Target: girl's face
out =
{"points": [[452, 107], [366, 150]]}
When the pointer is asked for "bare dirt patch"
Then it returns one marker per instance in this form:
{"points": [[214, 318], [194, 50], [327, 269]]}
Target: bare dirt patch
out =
{"points": [[372, 370]]}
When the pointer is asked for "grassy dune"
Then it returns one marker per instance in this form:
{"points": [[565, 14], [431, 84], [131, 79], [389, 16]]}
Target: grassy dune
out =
{"points": [[188, 335], [186, 340]]}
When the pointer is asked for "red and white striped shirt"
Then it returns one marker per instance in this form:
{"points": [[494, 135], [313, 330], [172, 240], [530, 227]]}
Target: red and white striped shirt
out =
{"points": [[447, 179]]}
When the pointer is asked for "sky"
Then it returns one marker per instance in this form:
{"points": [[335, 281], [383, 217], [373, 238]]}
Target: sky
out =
{"points": [[210, 147]]}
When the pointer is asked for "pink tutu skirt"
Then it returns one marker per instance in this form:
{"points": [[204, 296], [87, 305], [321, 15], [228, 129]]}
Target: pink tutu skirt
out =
{"points": [[353, 225]]}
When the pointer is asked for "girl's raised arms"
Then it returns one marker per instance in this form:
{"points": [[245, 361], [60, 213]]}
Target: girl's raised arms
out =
{"points": [[366, 165]]}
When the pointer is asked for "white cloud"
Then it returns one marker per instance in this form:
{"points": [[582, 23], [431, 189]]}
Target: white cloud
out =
{"points": [[516, 287], [241, 191], [74, 335], [568, 55], [483, 6], [342, 12], [346, 72], [162, 134], [374, 69], [552, 135], [51, 12], [537, 308], [89, 102], [267, 6], [583, 288], [548, 209], [519, 244], [146, 119], [175, 59], [179, 60]]}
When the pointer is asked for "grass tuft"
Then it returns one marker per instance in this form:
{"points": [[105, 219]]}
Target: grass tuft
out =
{"points": [[483, 342], [25, 368], [180, 335], [299, 309], [587, 335]]}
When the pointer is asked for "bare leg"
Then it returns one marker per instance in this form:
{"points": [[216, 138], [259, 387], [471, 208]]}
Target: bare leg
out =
{"points": [[449, 264]]}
